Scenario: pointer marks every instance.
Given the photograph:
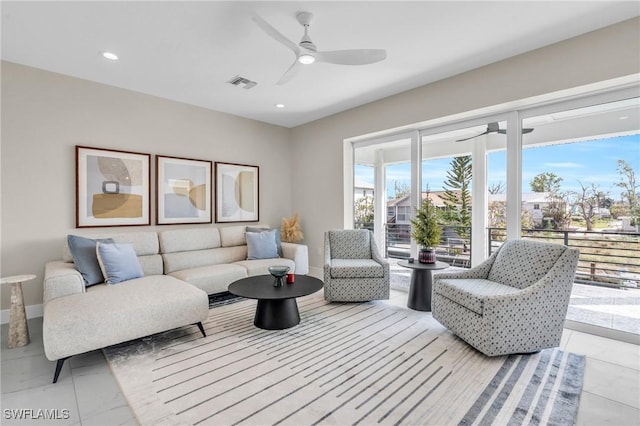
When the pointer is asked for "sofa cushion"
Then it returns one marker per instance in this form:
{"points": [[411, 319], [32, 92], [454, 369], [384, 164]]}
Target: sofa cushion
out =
{"points": [[197, 258], [471, 293], [178, 240], [213, 278], [260, 266], [83, 252], [86, 321], [350, 244], [262, 245], [118, 262], [231, 236], [521, 263], [356, 268]]}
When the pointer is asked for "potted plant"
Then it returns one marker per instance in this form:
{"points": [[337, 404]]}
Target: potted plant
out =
{"points": [[426, 231]]}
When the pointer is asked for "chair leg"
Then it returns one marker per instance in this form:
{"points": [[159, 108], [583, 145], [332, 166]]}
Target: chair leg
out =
{"points": [[59, 368], [201, 329]]}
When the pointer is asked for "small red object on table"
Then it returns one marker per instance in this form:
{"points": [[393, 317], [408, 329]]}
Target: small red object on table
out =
{"points": [[290, 278]]}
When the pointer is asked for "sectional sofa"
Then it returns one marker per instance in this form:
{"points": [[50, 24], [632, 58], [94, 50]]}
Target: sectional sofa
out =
{"points": [[180, 267]]}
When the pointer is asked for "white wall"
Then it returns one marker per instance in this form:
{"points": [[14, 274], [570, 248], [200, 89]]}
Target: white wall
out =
{"points": [[605, 54], [44, 115]]}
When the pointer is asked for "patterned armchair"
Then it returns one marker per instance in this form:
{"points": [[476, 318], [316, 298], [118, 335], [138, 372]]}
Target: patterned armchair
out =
{"points": [[514, 302], [354, 271]]}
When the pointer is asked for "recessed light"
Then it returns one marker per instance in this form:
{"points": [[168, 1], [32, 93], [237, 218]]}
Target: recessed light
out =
{"points": [[109, 55], [279, 105], [623, 117]]}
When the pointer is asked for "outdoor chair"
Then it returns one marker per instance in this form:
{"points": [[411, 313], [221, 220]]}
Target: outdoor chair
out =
{"points": [[513, 302], [354, 270]]}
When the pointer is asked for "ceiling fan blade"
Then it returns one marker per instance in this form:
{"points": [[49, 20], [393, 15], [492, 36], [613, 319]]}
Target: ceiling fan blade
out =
{"points": [[352, 57], [524, 131], [290, 73], [275, 34], [473, 137]]}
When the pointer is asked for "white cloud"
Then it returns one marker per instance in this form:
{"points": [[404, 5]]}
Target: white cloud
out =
{"points": [[565, 165]]}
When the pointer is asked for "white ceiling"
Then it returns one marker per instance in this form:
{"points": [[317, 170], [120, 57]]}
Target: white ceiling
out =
{"points": [[187, 51]]}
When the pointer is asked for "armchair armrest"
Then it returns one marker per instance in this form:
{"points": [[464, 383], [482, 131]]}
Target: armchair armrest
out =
{"points": [[557, 283], [61, 279], [480, 271], [299, 253]]}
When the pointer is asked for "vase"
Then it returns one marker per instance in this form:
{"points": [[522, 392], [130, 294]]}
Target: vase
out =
{"points": [[427, 255]]}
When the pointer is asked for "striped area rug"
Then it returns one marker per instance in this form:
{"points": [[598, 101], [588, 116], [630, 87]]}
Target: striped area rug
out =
{"points": [[344, 364]]}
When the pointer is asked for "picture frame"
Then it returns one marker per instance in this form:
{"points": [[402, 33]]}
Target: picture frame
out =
{"points": [[112, 188], [183, 190], [237, 192]]}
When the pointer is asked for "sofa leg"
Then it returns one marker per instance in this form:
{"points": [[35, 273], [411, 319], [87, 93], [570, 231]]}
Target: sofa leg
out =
{"points": [[201, 329], [58, 368]]}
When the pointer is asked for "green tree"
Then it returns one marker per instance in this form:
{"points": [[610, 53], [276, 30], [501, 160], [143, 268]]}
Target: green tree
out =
{"points": [[556, 209], [630, 188], [546, 182], [363, 210], [400, 189], [426, 230], [586, 200], [457, 192]]}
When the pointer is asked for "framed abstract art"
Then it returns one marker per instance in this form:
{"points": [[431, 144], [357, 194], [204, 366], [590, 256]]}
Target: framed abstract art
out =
{"points": [[112, 188], [183, 190], [237, 196]]}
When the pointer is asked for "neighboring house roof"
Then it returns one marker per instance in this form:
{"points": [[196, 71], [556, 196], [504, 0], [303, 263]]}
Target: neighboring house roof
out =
{"points": [[434, 196], [362, 184], [527, 197]]}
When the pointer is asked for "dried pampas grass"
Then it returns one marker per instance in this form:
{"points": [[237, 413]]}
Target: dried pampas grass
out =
{"points": [[291, 231]]}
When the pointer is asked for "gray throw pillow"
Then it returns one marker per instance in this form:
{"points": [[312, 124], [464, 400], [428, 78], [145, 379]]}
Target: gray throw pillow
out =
{"points": [[83, 252], [278, 240], [261, 245]]}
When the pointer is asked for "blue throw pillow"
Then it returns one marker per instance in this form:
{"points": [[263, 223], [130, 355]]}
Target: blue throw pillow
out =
{"points": [[278, 239], [261, 245], [83, 252], [118, 262]]}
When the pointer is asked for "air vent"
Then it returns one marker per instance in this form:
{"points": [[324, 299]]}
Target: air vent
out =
{"points": [[242, 82]]}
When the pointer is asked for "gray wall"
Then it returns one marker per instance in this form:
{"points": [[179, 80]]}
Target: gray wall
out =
{"points": [[44, 115], [317, 147]]}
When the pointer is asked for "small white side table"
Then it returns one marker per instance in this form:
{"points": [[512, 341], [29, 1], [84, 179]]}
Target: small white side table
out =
{"points": [[18, 329]]}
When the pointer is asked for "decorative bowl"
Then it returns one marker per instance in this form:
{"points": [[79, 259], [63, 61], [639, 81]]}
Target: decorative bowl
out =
{"points": [[278, 272]]}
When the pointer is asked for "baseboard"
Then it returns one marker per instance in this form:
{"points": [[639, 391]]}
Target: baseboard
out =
{"points": [[32, 311], [316, 272], [609, 333]]}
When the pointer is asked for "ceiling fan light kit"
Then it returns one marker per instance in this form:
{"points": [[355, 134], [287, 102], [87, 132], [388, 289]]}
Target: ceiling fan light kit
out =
{"points": [[306, 52], [306, 59]]}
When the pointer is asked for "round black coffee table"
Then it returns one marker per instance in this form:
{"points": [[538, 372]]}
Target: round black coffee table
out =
{"points": [[421, 283], [277, 308]]}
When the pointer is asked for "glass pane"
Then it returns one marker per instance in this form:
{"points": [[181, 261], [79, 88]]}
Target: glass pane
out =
{"points": [[580, 187]]}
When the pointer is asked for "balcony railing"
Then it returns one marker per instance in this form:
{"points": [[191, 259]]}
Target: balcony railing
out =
{"points": [[610, 259]]}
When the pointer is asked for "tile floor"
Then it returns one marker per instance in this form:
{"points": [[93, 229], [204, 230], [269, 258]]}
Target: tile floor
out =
{"points": [[88, 390]]}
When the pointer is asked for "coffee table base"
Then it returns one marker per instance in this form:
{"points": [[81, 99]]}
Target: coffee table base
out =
{"points": [[420, 290], [276, 314]]}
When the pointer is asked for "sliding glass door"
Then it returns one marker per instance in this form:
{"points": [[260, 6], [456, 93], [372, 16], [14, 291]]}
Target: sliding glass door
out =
{"points": [[565, 172], [580, 186]]}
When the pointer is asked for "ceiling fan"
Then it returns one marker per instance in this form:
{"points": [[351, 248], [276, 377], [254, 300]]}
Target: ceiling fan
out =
{"points": [[494, 128], [306, 52]]}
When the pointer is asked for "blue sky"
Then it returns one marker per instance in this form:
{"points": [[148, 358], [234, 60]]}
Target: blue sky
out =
{"points": [[587, 162]]}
